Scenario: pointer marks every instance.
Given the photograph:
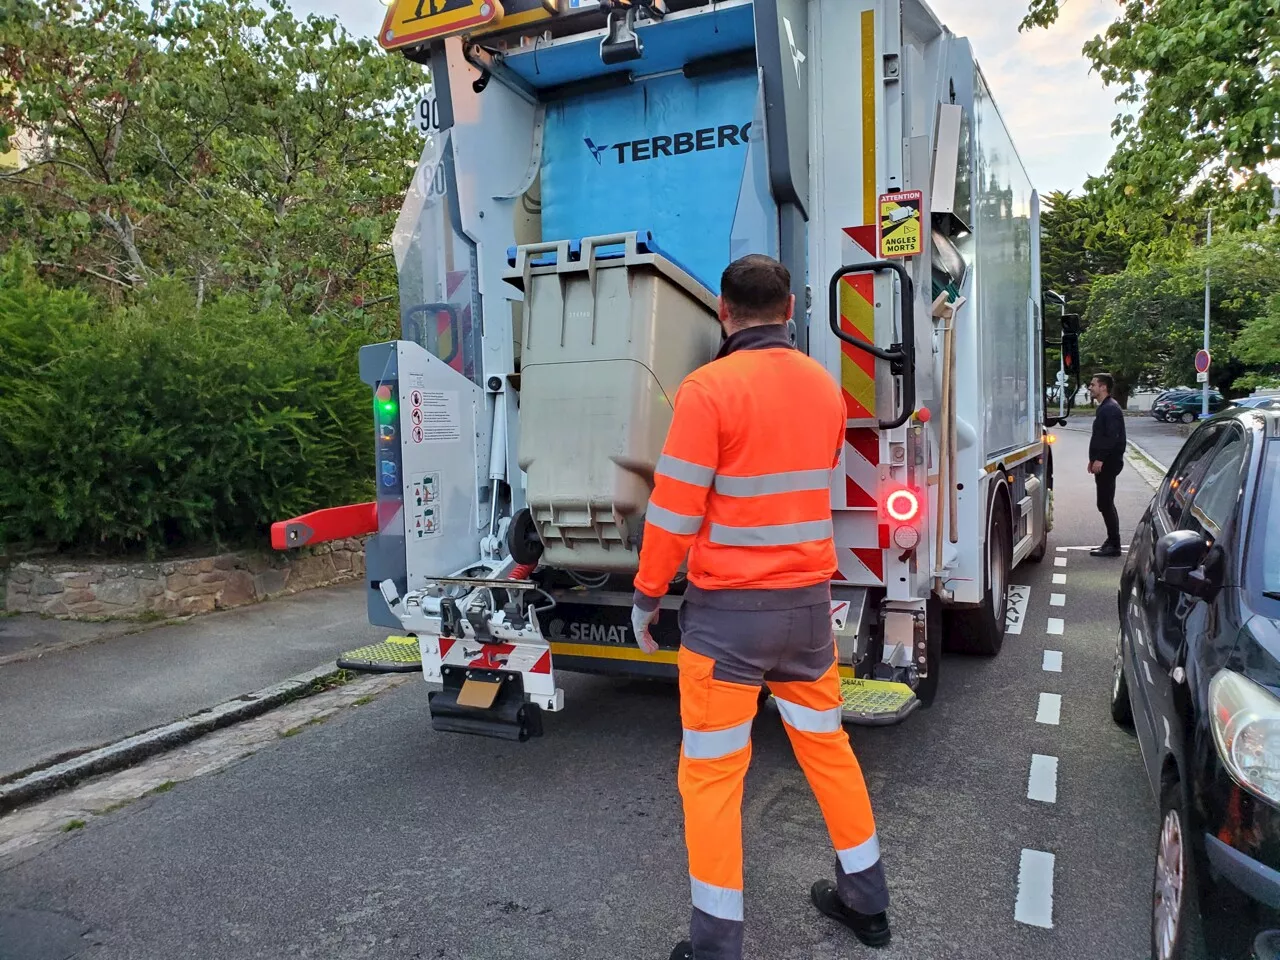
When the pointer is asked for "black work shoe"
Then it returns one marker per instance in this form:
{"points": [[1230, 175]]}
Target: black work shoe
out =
{"points": [[1106, 550], [871, 929], [683, 951]]}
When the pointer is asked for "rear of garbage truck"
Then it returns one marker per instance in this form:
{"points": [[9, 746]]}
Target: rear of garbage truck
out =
{"points": [[591, 169]]}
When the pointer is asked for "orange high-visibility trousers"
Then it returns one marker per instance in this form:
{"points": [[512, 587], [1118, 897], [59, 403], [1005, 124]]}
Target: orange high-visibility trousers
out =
{"points": [[725, 656]]}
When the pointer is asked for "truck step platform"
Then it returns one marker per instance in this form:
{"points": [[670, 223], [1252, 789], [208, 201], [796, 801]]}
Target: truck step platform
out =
{"points": [[393, 655], [873, 703]]}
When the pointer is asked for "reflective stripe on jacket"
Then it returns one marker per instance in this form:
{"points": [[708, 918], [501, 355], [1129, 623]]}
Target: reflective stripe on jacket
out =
{"points": [[743, 484]]}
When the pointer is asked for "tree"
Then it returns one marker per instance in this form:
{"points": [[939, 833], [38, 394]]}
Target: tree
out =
{"points": [[1200, 81], [234, 147], [1145, 324]]}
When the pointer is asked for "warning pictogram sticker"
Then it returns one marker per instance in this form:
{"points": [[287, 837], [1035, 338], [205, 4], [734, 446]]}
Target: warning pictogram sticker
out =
{"points": [[416, 398], [901, 233], [416, 416], [417, 434]]}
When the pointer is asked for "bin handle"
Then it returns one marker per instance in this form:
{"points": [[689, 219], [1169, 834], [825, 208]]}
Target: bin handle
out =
{"points": [[901, 356]]}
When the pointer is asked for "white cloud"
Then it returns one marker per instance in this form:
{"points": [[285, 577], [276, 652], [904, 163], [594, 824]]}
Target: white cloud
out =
{"points": [[1058, 113]]}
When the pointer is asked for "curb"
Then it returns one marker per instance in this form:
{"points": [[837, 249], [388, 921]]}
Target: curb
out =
{"points": [[1163, 467], [131, 750]]}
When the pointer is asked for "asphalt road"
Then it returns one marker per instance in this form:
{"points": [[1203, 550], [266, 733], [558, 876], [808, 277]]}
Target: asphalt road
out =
{"points": [[1161, 440], [372, 836]]}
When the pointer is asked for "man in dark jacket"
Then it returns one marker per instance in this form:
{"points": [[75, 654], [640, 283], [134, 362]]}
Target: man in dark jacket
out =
{"points": [[1106, 458]]}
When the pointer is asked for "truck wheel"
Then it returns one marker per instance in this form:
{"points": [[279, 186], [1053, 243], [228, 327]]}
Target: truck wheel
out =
{"points": [[928, 688], [980, 631]]}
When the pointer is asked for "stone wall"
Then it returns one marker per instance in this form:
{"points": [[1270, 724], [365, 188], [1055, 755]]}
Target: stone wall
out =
{"points": [[174, 588]]}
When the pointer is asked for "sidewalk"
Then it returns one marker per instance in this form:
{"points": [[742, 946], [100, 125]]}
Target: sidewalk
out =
{"points": [[69, 700]]}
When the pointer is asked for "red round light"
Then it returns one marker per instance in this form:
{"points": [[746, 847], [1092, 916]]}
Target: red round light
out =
{"points": [[923, 415], [902, 505]]}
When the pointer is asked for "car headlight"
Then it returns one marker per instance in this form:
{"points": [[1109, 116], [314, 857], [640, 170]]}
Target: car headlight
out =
{"points": [[1246, 728]]}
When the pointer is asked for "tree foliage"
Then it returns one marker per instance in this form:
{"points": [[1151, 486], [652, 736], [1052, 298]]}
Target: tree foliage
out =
{"points": [[1146, 323], [1200, 83], [234, 147], [133, 429]]}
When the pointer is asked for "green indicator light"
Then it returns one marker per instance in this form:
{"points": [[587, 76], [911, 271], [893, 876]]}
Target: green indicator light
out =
{"points": [[388, 407]]}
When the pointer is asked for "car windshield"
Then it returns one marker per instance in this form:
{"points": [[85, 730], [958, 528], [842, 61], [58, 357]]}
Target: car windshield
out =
{"points": [[1267, 521]]}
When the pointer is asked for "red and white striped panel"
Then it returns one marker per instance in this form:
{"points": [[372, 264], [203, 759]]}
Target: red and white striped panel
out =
{"points": [[531, 660]]}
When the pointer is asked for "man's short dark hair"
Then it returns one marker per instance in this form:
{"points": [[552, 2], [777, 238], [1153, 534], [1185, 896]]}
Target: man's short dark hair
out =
{"points": [[1107, 380], [756, 289]]}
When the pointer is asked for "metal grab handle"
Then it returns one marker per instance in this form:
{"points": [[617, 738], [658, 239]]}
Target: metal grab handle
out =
{"points": [[432, 311], [901, 356]]}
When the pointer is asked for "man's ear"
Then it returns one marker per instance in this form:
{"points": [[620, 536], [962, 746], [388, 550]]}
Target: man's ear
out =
{"points": [[791, 306], [723, 311]]}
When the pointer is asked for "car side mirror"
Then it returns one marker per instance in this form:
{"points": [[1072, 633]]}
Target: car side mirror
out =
{"points": [[1180, 562]]}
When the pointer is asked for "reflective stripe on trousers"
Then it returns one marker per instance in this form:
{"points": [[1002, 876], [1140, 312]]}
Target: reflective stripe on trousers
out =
{"points": [[717, 717]]}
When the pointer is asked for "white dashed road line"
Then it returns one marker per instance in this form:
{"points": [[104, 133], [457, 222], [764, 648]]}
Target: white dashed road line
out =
{"points": [[1034, 905], [1055, 626], [1052, 661], [1042, 782], [1059, 561], [1050, 709], [1059, 579], [1057, 599], [1015, 610]]}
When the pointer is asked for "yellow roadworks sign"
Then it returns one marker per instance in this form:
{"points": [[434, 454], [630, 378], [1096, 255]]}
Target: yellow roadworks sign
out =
{"points": [[416, 21]]}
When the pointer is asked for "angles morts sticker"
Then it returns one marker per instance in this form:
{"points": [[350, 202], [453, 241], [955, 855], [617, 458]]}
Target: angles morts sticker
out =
{"points": [[901, 230]]}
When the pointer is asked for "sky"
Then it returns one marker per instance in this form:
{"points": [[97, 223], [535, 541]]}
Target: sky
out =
{"points": [[1058, 113]]}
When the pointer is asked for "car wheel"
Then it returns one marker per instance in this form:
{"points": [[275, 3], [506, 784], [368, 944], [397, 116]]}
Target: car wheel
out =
{"points": [[1121, 706], [1188, 417], [1175, 916], [981, 631]]}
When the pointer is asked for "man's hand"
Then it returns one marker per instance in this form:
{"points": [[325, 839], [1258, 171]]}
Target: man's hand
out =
{"points": [[1095, 467], [640, 620]]}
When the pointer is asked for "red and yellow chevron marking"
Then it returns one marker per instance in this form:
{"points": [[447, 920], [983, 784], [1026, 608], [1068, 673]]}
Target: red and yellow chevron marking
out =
{"points": [[857, 367]]}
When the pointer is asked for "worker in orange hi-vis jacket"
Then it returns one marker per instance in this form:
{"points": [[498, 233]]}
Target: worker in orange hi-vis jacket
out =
{"points": [[743, 488]]}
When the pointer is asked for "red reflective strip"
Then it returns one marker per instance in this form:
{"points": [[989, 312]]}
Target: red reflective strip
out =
{"points": [[884, 536], [863, 236], [487, 661], [855, 496], [543, 665], [446, 644], [873, 559], [866, 440]]}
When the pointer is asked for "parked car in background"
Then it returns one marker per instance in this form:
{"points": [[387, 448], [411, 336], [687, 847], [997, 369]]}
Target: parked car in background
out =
{"points": [[1160, 406], [1258, 403], [1186, 406], [1197, 677]]}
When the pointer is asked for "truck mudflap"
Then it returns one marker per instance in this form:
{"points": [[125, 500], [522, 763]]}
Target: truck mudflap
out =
{"points": [[487, 703]]}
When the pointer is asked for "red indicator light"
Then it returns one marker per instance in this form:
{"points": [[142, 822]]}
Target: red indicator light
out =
{"points": [[902, 505], [384, 392], [923, 415]]}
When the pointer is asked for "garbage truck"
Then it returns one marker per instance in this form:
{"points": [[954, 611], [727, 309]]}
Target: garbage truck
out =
{"points": [[590, 168]]}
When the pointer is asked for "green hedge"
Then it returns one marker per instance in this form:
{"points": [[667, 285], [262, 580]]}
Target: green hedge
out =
{"points": [[159, 426]]}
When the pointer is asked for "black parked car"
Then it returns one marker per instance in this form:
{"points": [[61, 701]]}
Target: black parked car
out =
{"points": [[1198, 677], [1185, 405]]}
